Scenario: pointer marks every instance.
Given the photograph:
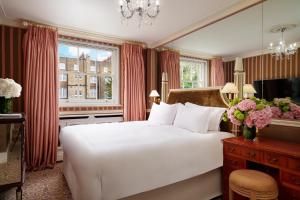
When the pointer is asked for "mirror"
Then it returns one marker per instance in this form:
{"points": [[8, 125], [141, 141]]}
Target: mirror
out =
{"points": [[273, 72]]}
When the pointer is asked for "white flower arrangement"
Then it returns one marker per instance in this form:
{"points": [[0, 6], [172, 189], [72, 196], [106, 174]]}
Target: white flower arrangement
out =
{"points": [[9, 88]]}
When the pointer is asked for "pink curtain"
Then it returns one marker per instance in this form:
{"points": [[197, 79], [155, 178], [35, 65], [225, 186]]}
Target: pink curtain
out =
{"points": [[170, 63], [217, 72], [41, 97], [133, 82]]}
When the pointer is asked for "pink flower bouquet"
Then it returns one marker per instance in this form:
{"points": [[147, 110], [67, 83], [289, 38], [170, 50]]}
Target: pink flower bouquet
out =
{"points": [[284, 108], [251, 113]]}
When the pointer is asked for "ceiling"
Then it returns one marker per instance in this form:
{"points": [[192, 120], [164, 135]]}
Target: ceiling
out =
{"points": [[102, 16], [242, 33]]}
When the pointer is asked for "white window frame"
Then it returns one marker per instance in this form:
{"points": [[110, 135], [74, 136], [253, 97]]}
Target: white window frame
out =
{"points": [[203, 72], [115, 62], [63, 77], [62, 66], [64, 91]]}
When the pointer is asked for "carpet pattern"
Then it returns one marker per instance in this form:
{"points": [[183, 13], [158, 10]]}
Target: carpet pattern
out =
{"points": [[48, 184]]}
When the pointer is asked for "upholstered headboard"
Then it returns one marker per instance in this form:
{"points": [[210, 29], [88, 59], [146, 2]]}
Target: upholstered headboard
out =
{"points": [[204, 97]]}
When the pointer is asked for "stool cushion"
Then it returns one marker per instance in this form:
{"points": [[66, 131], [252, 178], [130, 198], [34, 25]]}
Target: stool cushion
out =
{"points": [[253, 180]]}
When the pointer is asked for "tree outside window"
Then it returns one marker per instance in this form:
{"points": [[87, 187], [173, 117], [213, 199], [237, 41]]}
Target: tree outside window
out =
{"points": [[193, 73]]}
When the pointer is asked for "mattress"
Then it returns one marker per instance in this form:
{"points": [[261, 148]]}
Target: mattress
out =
{"points": [[115, 160]]}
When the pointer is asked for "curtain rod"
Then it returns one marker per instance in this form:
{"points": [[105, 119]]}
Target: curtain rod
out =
{"points": [[28, 23]]}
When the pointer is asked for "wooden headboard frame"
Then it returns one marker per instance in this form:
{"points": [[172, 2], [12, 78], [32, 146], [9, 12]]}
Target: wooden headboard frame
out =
{"points": [[211, 96]]}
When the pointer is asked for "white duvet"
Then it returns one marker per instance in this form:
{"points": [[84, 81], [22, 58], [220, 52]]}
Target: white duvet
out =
{"points": [[116, 160]]}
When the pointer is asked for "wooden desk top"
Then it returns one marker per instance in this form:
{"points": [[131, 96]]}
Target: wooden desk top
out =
{"points": [[281, 147]]}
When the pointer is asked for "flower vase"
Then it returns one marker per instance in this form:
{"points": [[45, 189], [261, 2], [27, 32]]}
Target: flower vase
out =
{"points": [[5, 105], [249, 133]]}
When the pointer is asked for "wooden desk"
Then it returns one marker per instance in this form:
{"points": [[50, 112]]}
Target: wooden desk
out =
{"points": [[277, 158]]}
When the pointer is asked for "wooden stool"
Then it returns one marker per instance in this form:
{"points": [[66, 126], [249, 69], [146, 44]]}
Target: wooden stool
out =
{"points": [[252, 184]]}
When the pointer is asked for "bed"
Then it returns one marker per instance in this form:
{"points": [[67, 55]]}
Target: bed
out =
{"points": [[139, 160]]}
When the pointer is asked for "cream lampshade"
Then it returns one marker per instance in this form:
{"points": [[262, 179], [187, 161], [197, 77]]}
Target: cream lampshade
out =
{"points": [[230, 88], [154, 93], [248, 90], [154, 96]]}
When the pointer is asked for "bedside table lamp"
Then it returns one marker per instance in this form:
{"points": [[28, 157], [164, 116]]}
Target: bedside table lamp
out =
{"points": [[248, 91], [154, 97], [230, 89]]}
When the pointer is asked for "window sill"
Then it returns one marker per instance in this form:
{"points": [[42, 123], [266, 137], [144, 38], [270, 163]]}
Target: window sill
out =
{"points": [[108, 113]]}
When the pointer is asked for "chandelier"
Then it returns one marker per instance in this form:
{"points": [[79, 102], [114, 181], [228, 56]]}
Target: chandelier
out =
{"points": [[282, 50], [146, 10]]}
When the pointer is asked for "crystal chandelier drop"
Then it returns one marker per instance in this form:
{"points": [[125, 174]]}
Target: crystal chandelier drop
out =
{"points": [[282, 50], [146, 10]]}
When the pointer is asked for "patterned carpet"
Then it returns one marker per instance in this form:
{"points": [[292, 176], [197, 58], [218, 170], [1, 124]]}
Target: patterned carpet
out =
{"points": [[48, 184]]}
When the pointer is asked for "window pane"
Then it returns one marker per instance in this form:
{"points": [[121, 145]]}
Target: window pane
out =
{"points": [[86, 72], [193, 73], [104, 58], [106, 87]]}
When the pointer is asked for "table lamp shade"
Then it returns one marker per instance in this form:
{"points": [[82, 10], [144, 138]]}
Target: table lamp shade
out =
{"points": [[248, 89], [153, 93], [230, 88]]}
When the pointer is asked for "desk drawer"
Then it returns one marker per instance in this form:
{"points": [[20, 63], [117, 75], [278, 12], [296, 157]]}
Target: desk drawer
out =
{"points": [[233, 162], [251, 154], [274, 159], [232, 149], [294, 164], [291, 179]]}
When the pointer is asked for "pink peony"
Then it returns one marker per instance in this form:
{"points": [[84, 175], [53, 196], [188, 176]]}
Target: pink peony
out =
{"points": [[246, 105], [261, 118], [276, 112], [287, 115], [249, 121], [295, 109], [231, 116]]}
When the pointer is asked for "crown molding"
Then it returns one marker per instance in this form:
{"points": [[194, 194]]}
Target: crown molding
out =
{"points": [[195, 54], [208, 21], [74, 32]]}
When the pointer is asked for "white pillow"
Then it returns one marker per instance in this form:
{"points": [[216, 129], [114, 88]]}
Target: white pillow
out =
{"points": [[215, 115], [163, 114], [191, 119]]}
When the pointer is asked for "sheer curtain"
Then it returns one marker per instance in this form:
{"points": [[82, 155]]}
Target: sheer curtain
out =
{"points": [[41, 97], [217, 72], [133, 82]]}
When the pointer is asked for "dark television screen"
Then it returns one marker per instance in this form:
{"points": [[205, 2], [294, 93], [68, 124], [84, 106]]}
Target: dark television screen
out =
{"points": [[278, 88]]}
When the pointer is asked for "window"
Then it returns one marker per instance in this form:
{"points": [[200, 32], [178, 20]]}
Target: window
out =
{"points": [[63, 77], [88, 74], [63, 92], [193, 73]]}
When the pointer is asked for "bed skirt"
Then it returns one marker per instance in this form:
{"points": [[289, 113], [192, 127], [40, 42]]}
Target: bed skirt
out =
{"points": [[203, 187]]}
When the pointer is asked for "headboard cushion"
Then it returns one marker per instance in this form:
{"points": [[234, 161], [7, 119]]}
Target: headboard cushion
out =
{"points": [[204, 97]]}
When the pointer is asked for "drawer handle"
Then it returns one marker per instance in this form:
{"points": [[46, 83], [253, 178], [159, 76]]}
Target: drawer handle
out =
{"points": [[251, 154], [272, 160], [295, 180]]}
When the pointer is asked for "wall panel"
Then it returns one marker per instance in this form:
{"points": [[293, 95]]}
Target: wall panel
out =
{"points": [[11, 59], [271, 67]]}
